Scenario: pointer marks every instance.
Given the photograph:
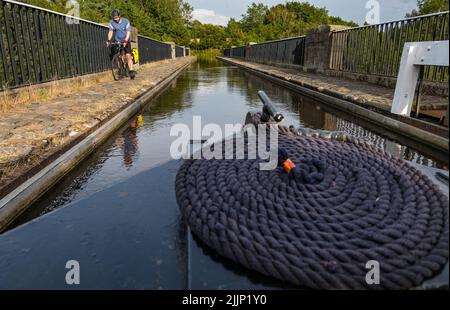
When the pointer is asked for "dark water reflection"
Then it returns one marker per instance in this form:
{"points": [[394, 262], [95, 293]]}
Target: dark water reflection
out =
{"points": [[137, 158]]}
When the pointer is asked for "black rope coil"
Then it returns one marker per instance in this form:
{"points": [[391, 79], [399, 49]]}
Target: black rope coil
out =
{"points": [[346, 203]]}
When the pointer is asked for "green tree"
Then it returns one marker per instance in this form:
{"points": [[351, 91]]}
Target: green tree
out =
{"points": [[254, 17], [335, 20], [280, 22], [428, 7], [206, 36], [235, 33], [293, 18], [55, 5], [308, 13]]}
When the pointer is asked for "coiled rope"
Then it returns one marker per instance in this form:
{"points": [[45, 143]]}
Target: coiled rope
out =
{"points": [[349, 204]]}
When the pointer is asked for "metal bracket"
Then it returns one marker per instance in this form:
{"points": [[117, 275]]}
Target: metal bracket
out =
{"points": [[416, 54]]}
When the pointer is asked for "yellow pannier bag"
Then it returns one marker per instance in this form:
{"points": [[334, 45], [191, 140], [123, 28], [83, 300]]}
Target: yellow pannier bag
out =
{"points": [[135, 54]]}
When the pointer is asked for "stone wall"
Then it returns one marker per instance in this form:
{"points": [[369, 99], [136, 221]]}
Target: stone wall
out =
{"points": [[318, 47]]}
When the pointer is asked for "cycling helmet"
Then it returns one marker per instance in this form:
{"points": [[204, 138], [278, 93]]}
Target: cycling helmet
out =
{"points": [[115, 12]]}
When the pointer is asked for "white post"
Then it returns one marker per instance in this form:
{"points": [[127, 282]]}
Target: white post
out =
{"points": [[173, 47], [416, 54]]}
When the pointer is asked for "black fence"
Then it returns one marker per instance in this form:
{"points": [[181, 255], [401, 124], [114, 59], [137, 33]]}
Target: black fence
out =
{"points": [[377, 49], [179, 51], [153, 50], [235, 51], [238, 51], [38, 45], [287, 51]]}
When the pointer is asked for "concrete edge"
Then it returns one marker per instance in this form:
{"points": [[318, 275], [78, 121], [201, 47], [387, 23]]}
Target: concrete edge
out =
{"points": [[431, 88], [409, 131], [18, 200]]}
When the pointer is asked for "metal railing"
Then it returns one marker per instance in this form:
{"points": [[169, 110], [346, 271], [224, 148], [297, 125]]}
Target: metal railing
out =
{"points": [[286, 51], [238, 51], [179, 51], [38, 45], [153, 50], [377, 49]]}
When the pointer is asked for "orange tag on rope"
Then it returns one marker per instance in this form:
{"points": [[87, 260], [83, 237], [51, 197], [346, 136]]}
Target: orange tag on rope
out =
{"points": [[288, 165]]}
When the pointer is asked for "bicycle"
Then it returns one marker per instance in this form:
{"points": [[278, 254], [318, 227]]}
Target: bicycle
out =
{"points": [[119, 63]]}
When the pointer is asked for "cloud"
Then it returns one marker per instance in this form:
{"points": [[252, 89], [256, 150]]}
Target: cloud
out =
{"points": [[209, 17]]}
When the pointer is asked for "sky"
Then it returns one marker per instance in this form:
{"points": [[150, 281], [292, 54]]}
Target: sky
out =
{"points": [[220, 11]]}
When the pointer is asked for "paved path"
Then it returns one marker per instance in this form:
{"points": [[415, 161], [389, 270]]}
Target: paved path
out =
{"points": [[29, 133], [355, 91]]}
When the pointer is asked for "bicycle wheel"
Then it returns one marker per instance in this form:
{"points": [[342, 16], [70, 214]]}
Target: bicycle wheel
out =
{"points": [[117, 67]]}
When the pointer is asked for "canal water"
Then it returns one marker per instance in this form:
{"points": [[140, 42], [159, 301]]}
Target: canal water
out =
{"points": [[116, 213]]}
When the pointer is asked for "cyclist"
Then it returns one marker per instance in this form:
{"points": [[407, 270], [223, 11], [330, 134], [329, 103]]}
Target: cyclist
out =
{"points": [[121, 29]]}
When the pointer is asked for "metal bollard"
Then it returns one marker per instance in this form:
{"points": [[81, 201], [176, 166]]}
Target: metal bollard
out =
{"points": [[269, 109]]}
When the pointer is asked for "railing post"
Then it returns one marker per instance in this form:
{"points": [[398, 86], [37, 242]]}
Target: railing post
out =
{"points": [[248, 50], [173, 48], [231, 51]]}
